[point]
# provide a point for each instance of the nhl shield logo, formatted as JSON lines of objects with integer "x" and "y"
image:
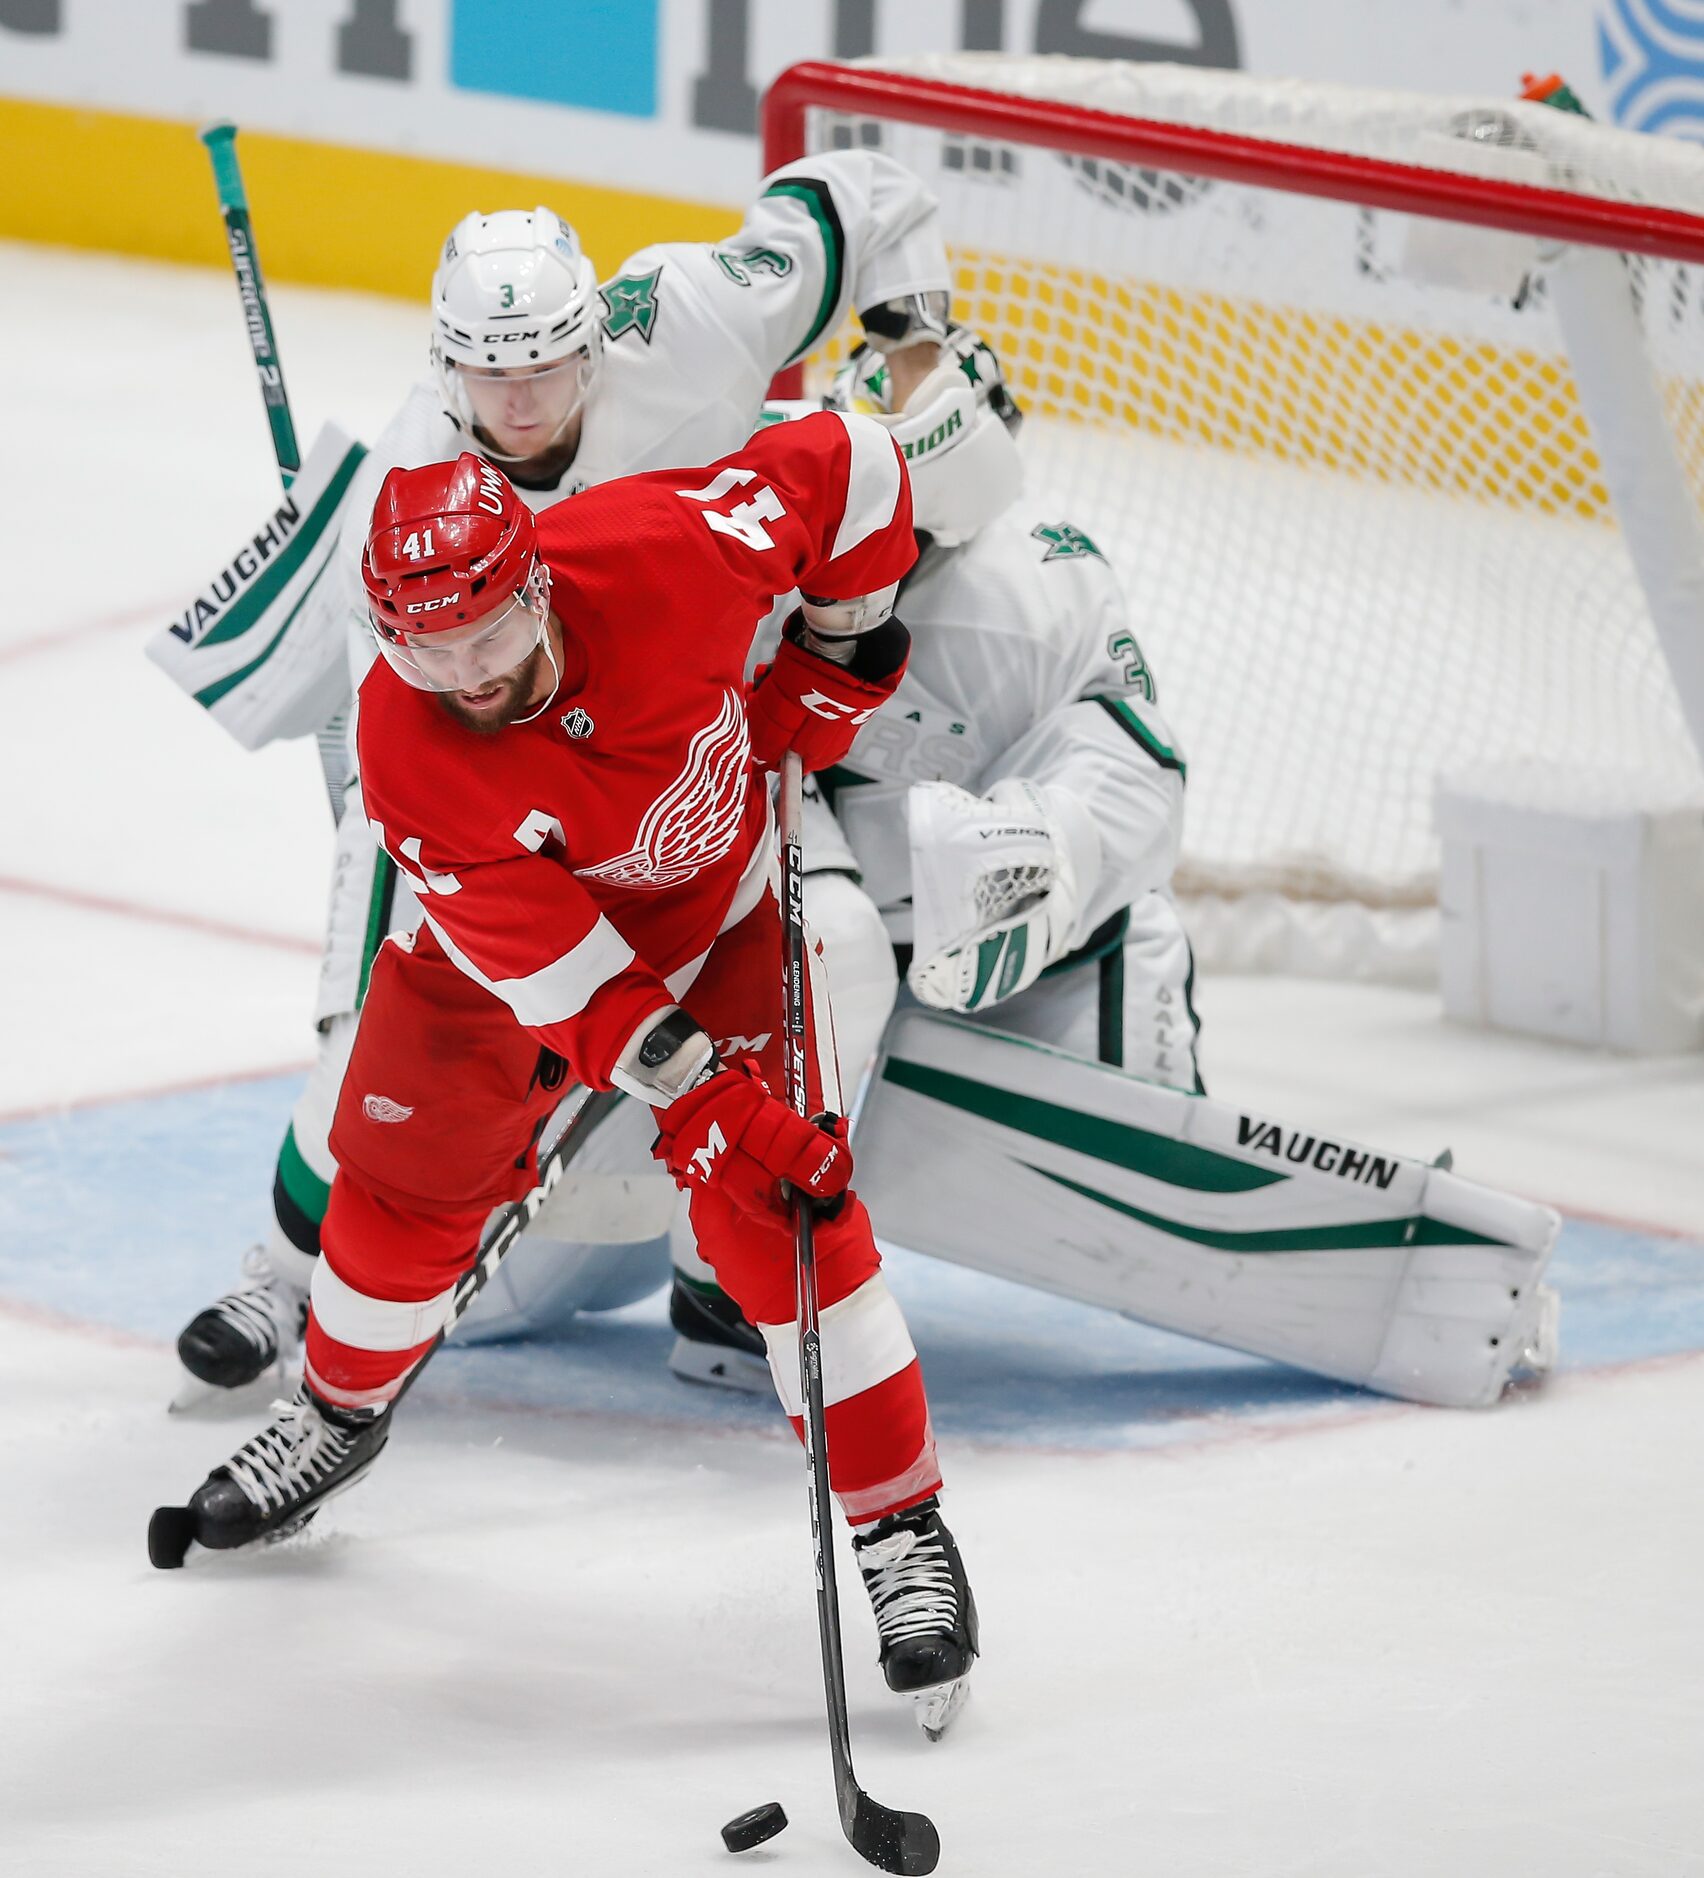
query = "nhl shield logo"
{"x": 577, "y": 723}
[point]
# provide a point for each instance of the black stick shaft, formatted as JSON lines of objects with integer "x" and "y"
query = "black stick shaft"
{"x": 893, "y": 1841}
{"x": 796, "y": 1046}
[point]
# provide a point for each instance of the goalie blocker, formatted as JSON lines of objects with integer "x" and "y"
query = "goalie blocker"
{"x": 1199, "y": 1217}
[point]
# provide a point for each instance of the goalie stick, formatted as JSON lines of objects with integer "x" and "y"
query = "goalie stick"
{"x": 171, "y": 1530}
{"x": 890, "y": 1840}
{"x": 221, "y": 142}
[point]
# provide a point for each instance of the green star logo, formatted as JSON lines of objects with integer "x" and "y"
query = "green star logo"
{"x": 1065, "y": 542}
{"x": 630, "y": 305}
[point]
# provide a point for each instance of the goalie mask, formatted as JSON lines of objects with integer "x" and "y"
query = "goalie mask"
{"x": 516, "y": 330}
{"x": 456, "y": 593}
{"x": 958, "y": 433}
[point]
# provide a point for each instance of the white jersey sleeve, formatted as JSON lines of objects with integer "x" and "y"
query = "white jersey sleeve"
{"x": 693, "y": 332}
{"x": 1023, "y": 664}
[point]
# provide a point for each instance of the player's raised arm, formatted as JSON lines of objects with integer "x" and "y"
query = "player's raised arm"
{"x": 843, "y": 229}
{"x": 841, "y": 482}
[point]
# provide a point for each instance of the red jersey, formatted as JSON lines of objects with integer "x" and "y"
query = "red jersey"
{"x": 580, "y": 866}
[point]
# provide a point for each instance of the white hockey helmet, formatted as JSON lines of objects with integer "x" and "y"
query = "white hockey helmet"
{"x": 958, "y": 432}
{"x": 514, "y": 295}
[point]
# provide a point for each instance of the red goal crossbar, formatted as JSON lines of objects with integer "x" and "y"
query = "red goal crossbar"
{"x": 1372, "y": 182}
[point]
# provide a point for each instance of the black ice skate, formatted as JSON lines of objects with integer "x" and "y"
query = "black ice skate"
{"x": 276, "y": 1482}
{"x": 235, "y": 1341}
{"x": 925, "y": 1614}
{"x": 713, "y": 1343}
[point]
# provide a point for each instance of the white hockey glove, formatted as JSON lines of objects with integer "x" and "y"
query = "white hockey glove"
{"x": 994, "y": 893}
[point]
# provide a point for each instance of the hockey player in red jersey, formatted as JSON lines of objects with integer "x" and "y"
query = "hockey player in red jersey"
{"x": 560, "y": 751}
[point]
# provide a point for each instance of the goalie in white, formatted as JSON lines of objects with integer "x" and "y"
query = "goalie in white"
{"x": 1006, "y": 827}
{"x": 565, "y": 383}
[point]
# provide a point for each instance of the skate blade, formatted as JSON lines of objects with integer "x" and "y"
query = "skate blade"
{"x": 718, "y": 1367}
{"x": 937, "y": 1708}
{"x": 204, "y": 1401}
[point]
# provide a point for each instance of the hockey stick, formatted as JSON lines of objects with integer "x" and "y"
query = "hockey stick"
{"x": 890, "y": 1840}
{"x": 171, "y": 1530}
{"x": 221, "y": 142}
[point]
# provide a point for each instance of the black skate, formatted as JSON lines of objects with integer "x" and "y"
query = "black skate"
{"x": 713, "y": 1343}
{"x": 925, "y": 1614}
{"x": 275, "y": 1483}
{"x": 237, "y": 1340}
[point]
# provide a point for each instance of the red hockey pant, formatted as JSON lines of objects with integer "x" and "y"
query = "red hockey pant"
{"x": 438, "y": 1122}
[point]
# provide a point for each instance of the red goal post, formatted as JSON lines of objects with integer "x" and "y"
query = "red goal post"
{"x": 1537, "y": 440}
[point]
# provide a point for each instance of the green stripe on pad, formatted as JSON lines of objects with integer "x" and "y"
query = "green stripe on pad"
{"x": 1177, "y": 1163}
{"x": 1371, "y": 1233}
{"x": 381, "y": 902}
{"x": 209, "y": 695}
{"x": 300, "y": 1181}
{"x": 267, "y": 588}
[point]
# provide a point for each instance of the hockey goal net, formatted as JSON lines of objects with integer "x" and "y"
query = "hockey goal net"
{"x": 1389, "y": 411}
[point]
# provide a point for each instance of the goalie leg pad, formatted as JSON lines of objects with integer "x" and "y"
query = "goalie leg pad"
{"x": 1016, "y": 1159}
{"x": 368, "y": 901}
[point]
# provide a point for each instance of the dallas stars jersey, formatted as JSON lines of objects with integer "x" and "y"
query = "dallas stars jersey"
{"x": 694, "y": 333}
{"x": 1023, "y": 663}
{"x": 580, "y": 866}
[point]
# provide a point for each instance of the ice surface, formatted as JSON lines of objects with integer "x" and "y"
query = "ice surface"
{"x": 1237, "y": 1621}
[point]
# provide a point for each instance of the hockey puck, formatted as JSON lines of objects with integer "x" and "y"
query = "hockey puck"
{"x": 170, "y": 1533}
{"x": 762, "y": 1822}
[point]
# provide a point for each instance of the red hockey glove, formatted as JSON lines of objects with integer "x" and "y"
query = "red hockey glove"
{"x": 731, "y": 1133}
{"x": 807, "y": 703}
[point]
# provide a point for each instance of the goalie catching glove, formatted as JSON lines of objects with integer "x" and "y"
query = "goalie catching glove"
{"x": 730, "y": 1133}
{"x": 826, "y": 680}
{"x": 995, "y": 892}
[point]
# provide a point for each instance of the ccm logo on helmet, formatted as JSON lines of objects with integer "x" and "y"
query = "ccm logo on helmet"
{"x": 431, "y": 606}
{"x": 504, "y": 339}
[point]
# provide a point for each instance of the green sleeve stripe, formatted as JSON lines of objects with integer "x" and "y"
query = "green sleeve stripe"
{"x": 1352, "y": 1238}
{"x": 278, "y": 576}
{"x": 817, "y": 200}
{"x": 299, "y": 1180}
{"x": 209, "y": 695}
{"x": 1177, "y": 1163}
{"x": 1122, "y": 714}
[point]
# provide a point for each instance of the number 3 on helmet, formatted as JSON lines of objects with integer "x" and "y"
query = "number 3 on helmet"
{"x": 515, "y": 303}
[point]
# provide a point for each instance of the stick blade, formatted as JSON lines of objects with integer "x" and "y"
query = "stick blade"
{"x": 170, "y": 1533}
{"x": 893, "y": 1841}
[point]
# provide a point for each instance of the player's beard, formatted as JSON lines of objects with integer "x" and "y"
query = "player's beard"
{"x": 516, "y": 697}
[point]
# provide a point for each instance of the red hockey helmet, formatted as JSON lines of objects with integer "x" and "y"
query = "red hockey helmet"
{"x": 455, "y": 588}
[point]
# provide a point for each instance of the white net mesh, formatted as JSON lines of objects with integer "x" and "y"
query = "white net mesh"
{"x": 1362, "y": 524}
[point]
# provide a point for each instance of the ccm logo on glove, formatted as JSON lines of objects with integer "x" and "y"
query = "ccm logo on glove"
{"x": 730, "y": 1133}
{"x": 805, "y": 702}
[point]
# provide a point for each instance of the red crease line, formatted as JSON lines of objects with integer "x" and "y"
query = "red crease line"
{"x": 157, "y": 915}
{"x": 161, "y": 610}
{"x": 110, "y": 1098}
